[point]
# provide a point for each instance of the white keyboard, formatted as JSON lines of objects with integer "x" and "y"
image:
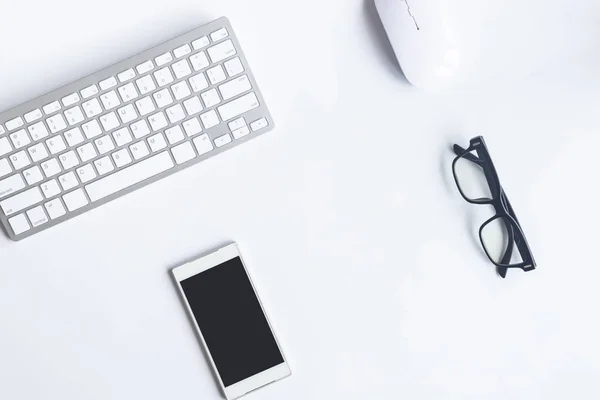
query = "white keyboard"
{"x": 128, "y": 125}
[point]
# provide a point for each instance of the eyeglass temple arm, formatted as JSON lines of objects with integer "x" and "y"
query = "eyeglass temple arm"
{"x": 459, "y": 151}
{"x": 518, "y": 239}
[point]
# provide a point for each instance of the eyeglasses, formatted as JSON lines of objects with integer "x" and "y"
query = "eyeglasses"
{"x": 478, "y": 183}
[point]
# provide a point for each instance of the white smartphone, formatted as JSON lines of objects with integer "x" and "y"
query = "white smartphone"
{"x": 231, "y": 322}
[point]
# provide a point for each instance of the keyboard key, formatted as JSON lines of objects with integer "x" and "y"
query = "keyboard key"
{"x": 104, "y": 165}
{"x": 5, "y": 146}
{"x": 183, "y": 152}
{"x": 158, "y": 121}
{"x": 140, "y": 129}
{"x": 259, "y": 124}
{"x": 86, "y": 173}
{"x": 163, "y": 59}
{"x": 56, "y": 144}
{"x": 241, "y": 132}
{"x": 109, "y": 121}
{"x": 68, "y": 181}
{"x": 145, "y": 106}
{"x": 69, "y": 160}
{"x": 129, "y": 176}
{"x": 175, "y": 113}
{"x": 200, "y": 43}
{"x": 221, "y": 51}
{"x": 198, "y": 82}
{"x": 75, "y": 200}
{"x": 56, "y": 123}
{"x": 199, "y": 61}
{"x": 2, "y": 131}
{"x": 128, "y": 92}
{"x": 223, "y": 140}
{"x": 163, "y": 76}
{"x": 86, "y": 152}
{"x": 235, "y": 87}
{"x": 237, "y": 123}
{"x": 182, "y": 51}
{"x": 10, "y": 185}
{"x": 33, "y": 175}
{"x": 145, "y": 67}
{"x": 127, "y": 113}
{"x": 19, "y": 160}
{"x": 157, "y": 142}
{"x": 104, "y": 144}
{"x": 20, "y": 139}
{"x": 55, "y": 208}
{"x": 110, "y": 100}
{"x": 21, "y": 201}
{"x": 19, "y": 224}
{"x": 220, "y": 34}
{"x": 139, "y": 150}
{"x": 122, "y": 137}
{"x": 216, "y": 74}
{"x": 209, "y": 119}
{"x": 181, "y": 69}
{"x": 89, "y": 91}
{"x": 210, "y": 98}
{"x": 5, "y": 167}
{"x": 74, "y": 115}
{"x": 193, "y": 105}
{"x": 145, "y": 84}
{"x": 203, "y": 144}
{"x": 51, "y": 167}
{"x": 38, "y": 152}
{"x": 238, "y": 106}
{"x": 37, "y": 216}
{"x": 51, "y": 108}
{"x": 92, "y": 108}
{"x": 121, "y": 158}
{"x": 31, "y": 116}
{"x": 181, "y": 90}
{"x": 108, "y": 83}
{"x": 74, "y": 137}
{"x": 38, "y": 131}
{"x": 192, "y": 127}
{"x": 234, "y": 67}
{"x": 91, "y": 129}
{"x": 174, "y": 135}
{"x": 163, "y": 98}
{"x": 126, "y": 75}
{"x": 70, "y": 99}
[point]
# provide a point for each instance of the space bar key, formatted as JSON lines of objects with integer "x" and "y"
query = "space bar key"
{"x": 129, "y": 176}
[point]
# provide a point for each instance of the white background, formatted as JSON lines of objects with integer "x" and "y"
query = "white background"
{"x": 363, "y": 252}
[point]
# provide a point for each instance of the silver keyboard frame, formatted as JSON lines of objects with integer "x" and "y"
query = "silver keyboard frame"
{"x": 113, "y": 70}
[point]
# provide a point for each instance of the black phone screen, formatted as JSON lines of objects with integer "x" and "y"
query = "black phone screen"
{"x": 232, "y": 322}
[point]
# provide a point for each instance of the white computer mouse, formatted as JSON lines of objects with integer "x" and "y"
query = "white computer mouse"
{"x": 448, "y": 43}
{"x": 426, "y": 49}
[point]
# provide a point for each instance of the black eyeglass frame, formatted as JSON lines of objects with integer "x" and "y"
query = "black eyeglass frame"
{"x": 500, "y": 202}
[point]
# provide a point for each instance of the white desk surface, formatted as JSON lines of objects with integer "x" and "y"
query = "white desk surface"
{"x": 363, "y": 251}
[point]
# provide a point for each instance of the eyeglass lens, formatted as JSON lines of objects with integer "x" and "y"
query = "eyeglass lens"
{"x": 471, "y": 179}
